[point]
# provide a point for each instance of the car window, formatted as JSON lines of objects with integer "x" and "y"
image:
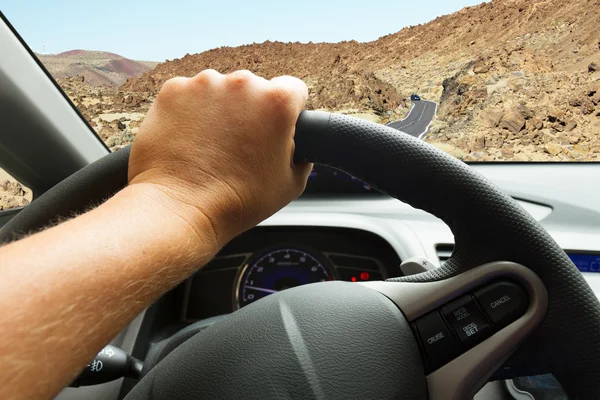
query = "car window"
{"x": 453, "y": 73}
{"x": 12, "y": 193}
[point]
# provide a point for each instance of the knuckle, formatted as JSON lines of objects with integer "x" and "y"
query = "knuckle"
{"x": 240, "y": 78}
{"x": 172, "y": 88}
{"x": 280, "y": 99}
{"x": 207, "y": 77}
{"x": 175, "y": 83}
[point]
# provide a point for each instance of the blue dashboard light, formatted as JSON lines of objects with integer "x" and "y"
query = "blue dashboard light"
{"x": 586, "y": 262}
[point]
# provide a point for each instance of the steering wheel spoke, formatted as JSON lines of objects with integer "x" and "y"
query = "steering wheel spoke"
{"x": 469, "y": 325}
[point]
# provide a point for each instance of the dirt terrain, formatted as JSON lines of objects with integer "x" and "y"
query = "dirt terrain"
{"x": 12, "y": 193}
{"x": 516, "y": 80}
{"x": 97, "y": 67}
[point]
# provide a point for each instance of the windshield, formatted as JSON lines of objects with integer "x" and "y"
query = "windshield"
{"x": 505, "y": 80}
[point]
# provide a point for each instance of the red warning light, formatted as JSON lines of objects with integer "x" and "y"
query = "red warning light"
{"x": 330, "y": 278}
{"x": 353, "y": 279}
{"x": 364, "y": 276}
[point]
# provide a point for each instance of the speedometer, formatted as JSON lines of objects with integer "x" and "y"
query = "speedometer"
{"x": 276, "y": 271}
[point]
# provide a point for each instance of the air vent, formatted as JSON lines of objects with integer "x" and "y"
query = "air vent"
{"x": 444, "y": 251}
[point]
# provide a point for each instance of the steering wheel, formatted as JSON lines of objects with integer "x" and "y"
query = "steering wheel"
{"x": 399, "y": 339}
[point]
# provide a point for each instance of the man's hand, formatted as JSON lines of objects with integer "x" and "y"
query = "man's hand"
{"x": 212, "y": 159}
{"x": 220, "y": 147}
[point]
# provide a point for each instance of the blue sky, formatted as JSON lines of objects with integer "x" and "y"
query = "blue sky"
{"x": 156, "y": 30}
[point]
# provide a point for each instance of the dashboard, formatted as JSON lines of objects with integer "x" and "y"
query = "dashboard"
{"x": 266, "y": 260}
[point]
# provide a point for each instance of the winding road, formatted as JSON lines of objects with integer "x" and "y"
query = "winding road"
{"x": 418, "y": 120}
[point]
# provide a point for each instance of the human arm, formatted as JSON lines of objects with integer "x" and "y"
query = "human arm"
{"x": 212, "y": 158}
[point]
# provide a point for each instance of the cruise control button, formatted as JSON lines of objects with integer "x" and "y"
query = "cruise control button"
{"x": 439, "y": 344}
{"x": 467, "y": 321}
{"x": 503, "y": 302}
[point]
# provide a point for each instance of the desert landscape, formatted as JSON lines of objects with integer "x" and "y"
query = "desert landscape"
{"x": 96, "y": 67}
{"x": 515, "y": 80}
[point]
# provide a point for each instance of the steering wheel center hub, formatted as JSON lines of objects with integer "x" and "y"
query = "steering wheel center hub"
{"x": 347, "y": 341}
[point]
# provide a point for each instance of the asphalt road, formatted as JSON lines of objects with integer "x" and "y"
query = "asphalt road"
{"x": 418, "y": 119}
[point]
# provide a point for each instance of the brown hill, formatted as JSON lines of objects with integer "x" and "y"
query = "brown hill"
{"x": 332, "y": 71}
{"x": 515, "y": 79}
{"x": 97, "y": 67}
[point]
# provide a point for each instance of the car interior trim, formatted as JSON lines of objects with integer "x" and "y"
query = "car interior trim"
{"x": 46, "y": 138}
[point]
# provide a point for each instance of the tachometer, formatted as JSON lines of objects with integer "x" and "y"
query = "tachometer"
{"x": 279, "y": 270}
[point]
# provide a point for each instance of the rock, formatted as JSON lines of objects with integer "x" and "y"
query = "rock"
{"x": 553, "y": 149}
{"x": 558, "y": 127}
{"x": 570, "y": 125}
{"x": 593, "y": 67}
{"x": 492, "y": 119}
{"x": 575, "y": 102}
{"x": 525, "y": 111}
{"x": 11, "y": 202}
{"x": 494, "y": 142}
{"x": 477, "y": 142}
{"x": 587, "y": 106}
{"x": 121, "y": 125}
{"x": 521, "y": 157}
{"x": 513, "y": 122}
{"x": 596, "y": 98}
{"x": 573, "y": 139}
{"x": 555, "y": 114}
{"x": 507, "y": 153}
{"x": 547, "y": 135}
{"x": 12, "y": 188}
{"x": 481, "y": 67}
{"x": 537, "y": 124}
{"x": 475, "y": 156}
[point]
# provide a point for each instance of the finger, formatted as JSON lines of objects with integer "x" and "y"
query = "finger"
{"x": 301, "y": 173}
{"x": 296, "y": 88}
{"x": 301, "y": 170}
{"x": 207, "y": 77}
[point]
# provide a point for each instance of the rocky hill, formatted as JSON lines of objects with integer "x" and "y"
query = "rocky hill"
{"x": 515, "y": 79}
{"x": 334, "y": 72}
{"x": 97, "y": 67}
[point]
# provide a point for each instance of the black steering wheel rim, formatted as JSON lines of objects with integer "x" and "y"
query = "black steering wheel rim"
{"x": 488, "y": 226}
